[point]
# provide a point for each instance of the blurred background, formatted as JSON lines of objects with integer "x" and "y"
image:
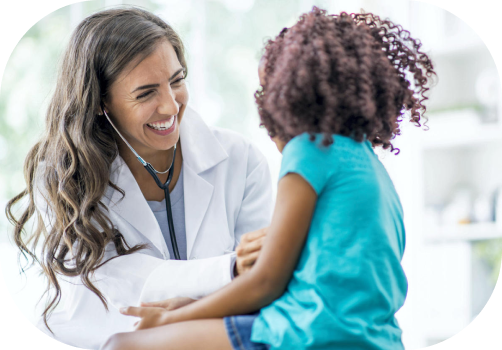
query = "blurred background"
{"x": 449, "y": 178}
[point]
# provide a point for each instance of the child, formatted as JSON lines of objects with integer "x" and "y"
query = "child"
{"x": 329, "y": 273}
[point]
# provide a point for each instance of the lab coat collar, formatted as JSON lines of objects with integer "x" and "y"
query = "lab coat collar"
{"x": 201, "y": 151}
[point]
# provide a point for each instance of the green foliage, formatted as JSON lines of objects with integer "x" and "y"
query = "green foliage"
{"x": 27, "y": 86}
{"x": 490, "y": 252}
{"x": 234, "y": 46}
{"x": 27, "y": 82}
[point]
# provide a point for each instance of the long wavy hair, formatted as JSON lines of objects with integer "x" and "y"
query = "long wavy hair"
{"x": 349, "y": 74}
{"x": 68, "y": 170}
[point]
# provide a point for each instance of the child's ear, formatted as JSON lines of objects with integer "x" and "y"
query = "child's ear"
{"x": 279, "y": 143}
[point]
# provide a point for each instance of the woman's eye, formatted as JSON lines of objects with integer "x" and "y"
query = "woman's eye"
{"x": 144, "y": 95}
{"x": 177, "y": 81}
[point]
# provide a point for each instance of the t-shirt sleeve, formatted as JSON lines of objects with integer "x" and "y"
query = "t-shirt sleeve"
{"x": 308, "y": 159}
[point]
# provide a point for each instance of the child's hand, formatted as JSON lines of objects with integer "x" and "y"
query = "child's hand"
{"x": 248, "y": 250}
{"x": 170, "y": 304}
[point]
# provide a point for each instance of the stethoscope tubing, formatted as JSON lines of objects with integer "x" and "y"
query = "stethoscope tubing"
{"x": 167, "y": 196}
{"x": 163, "y": 186}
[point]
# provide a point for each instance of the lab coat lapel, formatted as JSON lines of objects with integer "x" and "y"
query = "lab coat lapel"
{"x": 198, "y": 193}
{"x": 201, "y": 151}
{"x": 134, "y": 208}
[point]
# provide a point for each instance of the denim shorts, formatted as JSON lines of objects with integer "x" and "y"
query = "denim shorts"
{"x": 239, "y": 332}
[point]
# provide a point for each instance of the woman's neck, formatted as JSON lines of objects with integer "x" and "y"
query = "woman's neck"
{"x": 160, "y": 160}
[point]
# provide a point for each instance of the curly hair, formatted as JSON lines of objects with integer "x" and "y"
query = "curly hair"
{"x": 346, "y": 74}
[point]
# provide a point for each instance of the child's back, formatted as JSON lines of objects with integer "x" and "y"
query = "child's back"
{"x": 349, "y": 282}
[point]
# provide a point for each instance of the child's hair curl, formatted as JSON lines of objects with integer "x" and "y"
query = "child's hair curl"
{"x": 345, "y": 74}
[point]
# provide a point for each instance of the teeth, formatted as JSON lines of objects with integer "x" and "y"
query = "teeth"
{"x": 162, "y": 125}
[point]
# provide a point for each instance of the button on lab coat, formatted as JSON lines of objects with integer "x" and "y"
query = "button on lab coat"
{"x": 227, "y": 189}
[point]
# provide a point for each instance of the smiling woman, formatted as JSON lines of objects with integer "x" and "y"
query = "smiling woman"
{"x": 104, "y": 243}
{"x": 150, "y": 98}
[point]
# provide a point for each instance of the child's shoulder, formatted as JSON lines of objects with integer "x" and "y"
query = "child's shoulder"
{"x": 317, "y": 163}
{"x": 313, "y": 144}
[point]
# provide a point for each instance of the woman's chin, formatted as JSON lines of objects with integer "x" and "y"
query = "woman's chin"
{"x": 165, "y": 146}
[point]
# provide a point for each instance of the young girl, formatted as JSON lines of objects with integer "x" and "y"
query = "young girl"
{"x": 329, "y": 273}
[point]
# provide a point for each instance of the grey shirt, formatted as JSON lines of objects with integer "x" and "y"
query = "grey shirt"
{"x": 178, "y": 210}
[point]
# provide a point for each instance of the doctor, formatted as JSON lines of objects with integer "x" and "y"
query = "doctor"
{"x": 105, "y": 233}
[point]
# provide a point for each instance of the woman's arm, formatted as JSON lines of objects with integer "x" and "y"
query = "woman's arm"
{"x": 269, "y": 277}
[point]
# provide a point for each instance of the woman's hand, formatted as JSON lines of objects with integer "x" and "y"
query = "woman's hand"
{"x": 170, "y": 304}
{"x": 156, "y": 313}
{"x": 150, "y": 316}
{"x": 248, "y": 250}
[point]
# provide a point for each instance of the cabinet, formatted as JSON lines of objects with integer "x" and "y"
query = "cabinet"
{"x": 447, "y": 179}
{"x": 460, "y": 177}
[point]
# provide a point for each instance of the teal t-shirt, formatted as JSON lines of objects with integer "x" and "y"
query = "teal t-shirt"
{"x": 349, "y": 282}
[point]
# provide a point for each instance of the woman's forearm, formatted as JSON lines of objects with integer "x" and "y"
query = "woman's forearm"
{"x": 169, "y": 279}
{"x": 247, "y": 293}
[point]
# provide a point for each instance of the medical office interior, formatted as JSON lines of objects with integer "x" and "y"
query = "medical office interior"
{"x": 449, "y": 178}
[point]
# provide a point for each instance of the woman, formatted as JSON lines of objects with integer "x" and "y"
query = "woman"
{"x": 105, "y": 239}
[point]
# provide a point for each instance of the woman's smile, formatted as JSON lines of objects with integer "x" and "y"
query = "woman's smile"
{"x": 163, "y": 127}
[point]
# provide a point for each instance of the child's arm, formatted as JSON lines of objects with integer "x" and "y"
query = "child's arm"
{"x": 267, "y": 280}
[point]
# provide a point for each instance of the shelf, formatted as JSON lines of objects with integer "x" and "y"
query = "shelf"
{"x": 463, "y": 233}
{"x": 449, "y": 134}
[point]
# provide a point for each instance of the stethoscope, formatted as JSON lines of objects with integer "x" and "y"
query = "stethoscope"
{"x": 164, "y": 186}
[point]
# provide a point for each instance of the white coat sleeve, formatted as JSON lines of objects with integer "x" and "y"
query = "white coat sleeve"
{"x": 81, "y": 319}
{"x": 127, "y": 280}
{"x": 257, "y": 203}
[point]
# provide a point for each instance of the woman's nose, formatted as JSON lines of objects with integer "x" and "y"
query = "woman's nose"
{"x": 168, "y": 104}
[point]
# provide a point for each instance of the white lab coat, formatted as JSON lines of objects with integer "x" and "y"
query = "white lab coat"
{"x": 227, "y": 189}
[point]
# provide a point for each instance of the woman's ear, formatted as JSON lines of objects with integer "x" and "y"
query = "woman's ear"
{"x": 102, "y": 109}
